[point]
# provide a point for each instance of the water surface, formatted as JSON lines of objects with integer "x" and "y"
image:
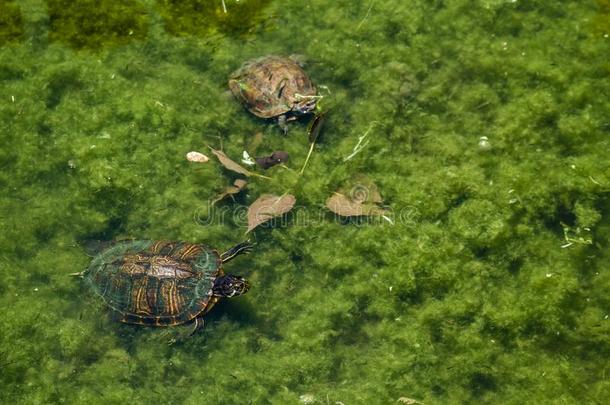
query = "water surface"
{"x": 484, "y": 125}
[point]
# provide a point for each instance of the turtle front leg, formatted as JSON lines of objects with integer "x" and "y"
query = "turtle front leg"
{"x": 181, "y": 333}
{"x": 199, "y": 325}
{"x": 281, "y": 121}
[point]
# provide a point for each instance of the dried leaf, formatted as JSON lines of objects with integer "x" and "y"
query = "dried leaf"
{"x": 361, "y": 198}
{"x": 268, "y": 206}
{"x": 238, "y": 185}
{"x": 194, "y": 156}
{"x": 363, "y": 190}
{"x": 344, "y": 206}
{"x": 313, "y": 131}
{"x": 230, "y": 164}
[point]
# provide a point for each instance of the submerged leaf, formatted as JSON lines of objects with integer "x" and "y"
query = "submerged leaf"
{"x": 268, "y": 206}
{"x": 315, "y": 127}
{"x": 346, "y": 207}
{"x": 363, "y": 190}
{"x": 238, "y": 185}
{"x": 313, "y": 132}
{"x": 230, "y": 164}
{"x": 359, "y": 199}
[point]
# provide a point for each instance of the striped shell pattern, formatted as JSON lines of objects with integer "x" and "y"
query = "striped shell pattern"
{"x": 157, "y": 283}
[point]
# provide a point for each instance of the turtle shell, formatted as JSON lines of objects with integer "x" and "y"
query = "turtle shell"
{"x": 273, "y": 85}
{"x": 157, "y": 283}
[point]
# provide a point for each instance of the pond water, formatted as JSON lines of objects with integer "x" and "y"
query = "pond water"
{"x": 478, "y": 131}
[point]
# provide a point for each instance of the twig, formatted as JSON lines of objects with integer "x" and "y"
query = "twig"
{"x": 260, "y": 175}
{"x": 300, "y": 97}
{"x": 361, "y": 143}
{"x": 366, "y": 15}
{"x": 307, "y": 159}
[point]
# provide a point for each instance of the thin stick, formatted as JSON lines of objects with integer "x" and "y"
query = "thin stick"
{"x": 307, "y": 159}
{"x": 260, "y": 175}
{"x": 366, "y": 15}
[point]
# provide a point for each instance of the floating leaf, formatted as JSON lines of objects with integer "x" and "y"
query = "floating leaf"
{"x": 196, "y": 157}
{"x": 268, "y": 206}
{"x": 238, "y": 185}
{"x": 346, "y": 207}
{"x": 275, "y": 158}
{"x": 230, "y": 164}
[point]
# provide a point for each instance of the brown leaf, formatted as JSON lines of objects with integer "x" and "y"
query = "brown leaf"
{"x": 238, "y": 185}
{"x": 360, "y": 198}
{"x": 230, "y": 164}
{"x": 313, "y": 131}
{"x": 346, "y": 207}
{"x": 268, "y": 206}
{"x": 363, "y": 190}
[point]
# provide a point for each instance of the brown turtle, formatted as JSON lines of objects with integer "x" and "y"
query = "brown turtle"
{"x": 162, "y": 283}
{"x": 274, "y": 86}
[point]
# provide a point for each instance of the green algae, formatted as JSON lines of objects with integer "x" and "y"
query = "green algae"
{"x": 11, "y": 22}
{"x": 204, "y": 18}
{"x": 96, "y": 24}
{"x": 468, "y": 298}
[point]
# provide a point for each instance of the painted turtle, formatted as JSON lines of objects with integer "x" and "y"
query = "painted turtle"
{"x": 163, "y": 283}
{"x": 274, "y": 86}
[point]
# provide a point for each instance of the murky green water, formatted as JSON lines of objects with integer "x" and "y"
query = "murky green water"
{"x": 488, "y": 284}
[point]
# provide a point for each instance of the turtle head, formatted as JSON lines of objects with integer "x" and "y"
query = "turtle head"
{"x": 230, "y": 286}
{"x": 305, "y": 105}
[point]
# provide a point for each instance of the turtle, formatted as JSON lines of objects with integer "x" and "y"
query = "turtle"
{"x": 163, "y": 283}
{"x": 274, "y": 86}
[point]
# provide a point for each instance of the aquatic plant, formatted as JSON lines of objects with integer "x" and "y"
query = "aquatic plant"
{"x": 471, "y": 296}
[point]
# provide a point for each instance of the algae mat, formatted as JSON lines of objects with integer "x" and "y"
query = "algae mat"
{"x": 484, "y": 125}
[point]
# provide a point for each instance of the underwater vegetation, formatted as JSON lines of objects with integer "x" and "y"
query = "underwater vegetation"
{"x": 483, "y": 126}
{"x": 95, "y": 24}
{"x": 205, "y": 18}
{"x": 11, "y": 24}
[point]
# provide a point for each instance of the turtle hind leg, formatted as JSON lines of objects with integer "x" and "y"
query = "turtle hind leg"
{"x": 244, "y": 247}
{"x": 282, "y": 122}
